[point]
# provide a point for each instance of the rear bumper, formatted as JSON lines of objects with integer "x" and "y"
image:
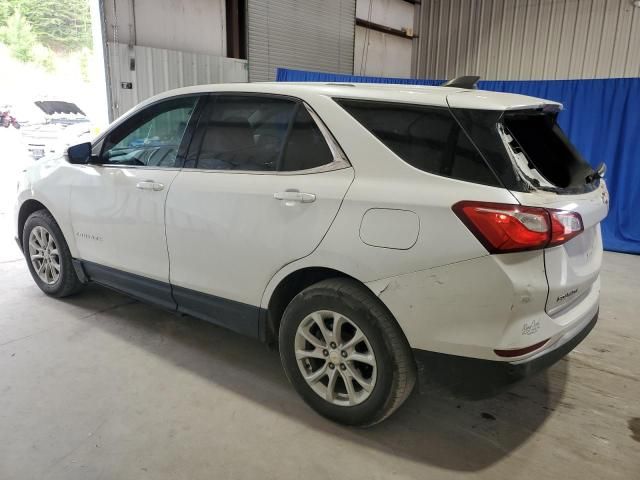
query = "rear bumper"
{"x": 477, "y": 378}
{"x": 475, "y": 307}
{"x": 558, "y": 349}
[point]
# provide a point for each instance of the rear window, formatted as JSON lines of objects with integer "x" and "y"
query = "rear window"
{"x": 543, "y": 152}
{"x": 528, "y": 150}
{"x": 427, "y": 138}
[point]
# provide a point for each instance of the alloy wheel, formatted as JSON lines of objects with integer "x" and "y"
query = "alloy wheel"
{"x": 335, "y": 358}
{"x": 44, "y": 255}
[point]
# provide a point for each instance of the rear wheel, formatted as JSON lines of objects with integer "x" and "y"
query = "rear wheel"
{"x": 344, "y": 353}
{"x": 48, "y": 256}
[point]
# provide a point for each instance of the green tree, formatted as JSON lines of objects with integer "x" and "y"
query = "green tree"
{"x": 18, "y": 36}
{"x": 8, "y": 8}
{"x": 62, "y": 25}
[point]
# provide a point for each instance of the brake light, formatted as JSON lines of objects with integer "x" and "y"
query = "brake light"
{"x": 503, "y": 228}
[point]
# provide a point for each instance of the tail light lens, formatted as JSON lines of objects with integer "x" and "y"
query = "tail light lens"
{"x": 504, "y": 228}
{"x": 564, "y": 226}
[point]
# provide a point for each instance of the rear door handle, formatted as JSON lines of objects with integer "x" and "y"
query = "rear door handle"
{"x": 150, "y": 185}
{"x": 292, "y": 197}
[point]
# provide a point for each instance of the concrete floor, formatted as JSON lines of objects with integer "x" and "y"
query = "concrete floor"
{"x": 100, "y": 386}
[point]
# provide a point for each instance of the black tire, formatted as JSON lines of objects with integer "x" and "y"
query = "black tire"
{"x": 396, "y": 370}
{"x": 68, "y": 282}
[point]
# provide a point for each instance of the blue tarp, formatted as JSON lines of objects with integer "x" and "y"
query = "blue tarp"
{"x": 601, "y": 117}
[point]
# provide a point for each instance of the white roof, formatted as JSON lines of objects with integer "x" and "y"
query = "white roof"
{"x": 415, "y": 94}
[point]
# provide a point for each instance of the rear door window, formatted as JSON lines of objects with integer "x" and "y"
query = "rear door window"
{"x": 258, "y": 133}
{"x": 244, "y": 132}
{"x": 427, "y": 138}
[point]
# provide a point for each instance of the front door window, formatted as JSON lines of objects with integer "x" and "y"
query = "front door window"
{"x": 152, "y": 137}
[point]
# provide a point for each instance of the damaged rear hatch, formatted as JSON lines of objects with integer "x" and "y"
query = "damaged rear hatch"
{"x": 532, "y": 157}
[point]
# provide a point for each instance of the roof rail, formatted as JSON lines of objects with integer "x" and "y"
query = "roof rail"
{"x": 467, "y": 81}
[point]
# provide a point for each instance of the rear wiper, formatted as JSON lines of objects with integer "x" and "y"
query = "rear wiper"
{"x": 599, "y": 172}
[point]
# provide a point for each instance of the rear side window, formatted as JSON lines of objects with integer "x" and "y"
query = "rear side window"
{"x": 427, "y": 138}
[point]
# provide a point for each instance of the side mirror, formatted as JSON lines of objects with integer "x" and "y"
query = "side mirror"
{"x": 80, "y": 154}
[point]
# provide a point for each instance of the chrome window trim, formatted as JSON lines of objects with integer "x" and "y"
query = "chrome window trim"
{"x": 133, "y": 167}
{"x": 329, "y": 167}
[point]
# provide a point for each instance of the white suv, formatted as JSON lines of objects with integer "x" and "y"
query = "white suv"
{"x": 356, "y": 227}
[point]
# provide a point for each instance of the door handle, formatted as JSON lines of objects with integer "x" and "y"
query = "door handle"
{"x": 292, "y": 197}
{"x": 150, "y": 185}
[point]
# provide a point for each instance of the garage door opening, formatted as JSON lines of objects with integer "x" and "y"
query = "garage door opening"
{"x": 52, "y": 87}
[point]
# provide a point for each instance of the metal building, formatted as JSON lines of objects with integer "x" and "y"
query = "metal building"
{"x": 151, "y": 46}
{"x": 304, "y": 34}
{"x": 529, "y": 39}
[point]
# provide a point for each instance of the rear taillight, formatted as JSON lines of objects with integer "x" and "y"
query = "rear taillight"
{"x": 564, "y": 226}
{"x": 503, "y": 228}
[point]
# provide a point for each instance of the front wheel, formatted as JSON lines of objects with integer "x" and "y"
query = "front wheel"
{"x": 48, "y": 256}
{"x": 344, "y": 353}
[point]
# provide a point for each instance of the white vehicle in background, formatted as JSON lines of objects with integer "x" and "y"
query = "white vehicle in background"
{"x": 358, "y": 227}
{"x": 59, "y": 125}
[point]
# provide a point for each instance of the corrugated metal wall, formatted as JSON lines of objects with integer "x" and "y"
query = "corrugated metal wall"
{"x": 529, "y": 39}
{"x": 184, "y": 25}
{"x": 158, "y": 70}
{"x": 304, "y": 34}
{"x": 380, "y": 54}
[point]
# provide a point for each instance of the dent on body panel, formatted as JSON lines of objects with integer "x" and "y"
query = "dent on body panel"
{"x": 442, "y": 305}
{"x": 472, "y": 304}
